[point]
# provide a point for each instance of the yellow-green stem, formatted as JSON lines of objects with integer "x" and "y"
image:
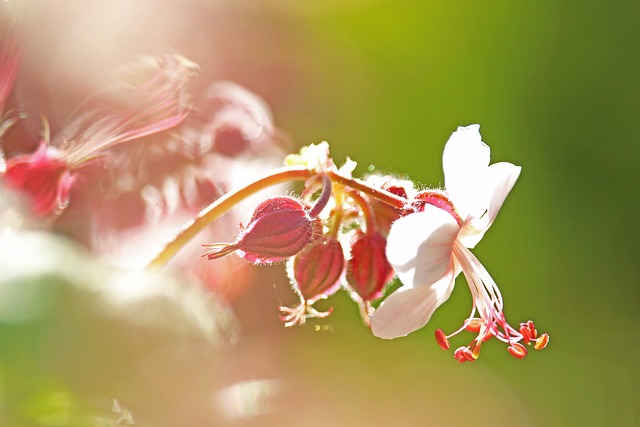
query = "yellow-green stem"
{"x": 338, "y": 214}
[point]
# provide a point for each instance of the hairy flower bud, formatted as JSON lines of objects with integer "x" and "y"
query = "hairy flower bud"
{"x": 369, "y": 270}
{"x": 317, "y": 271}
{"x": 279, "y": 228}
{"x": 384, "y": 213}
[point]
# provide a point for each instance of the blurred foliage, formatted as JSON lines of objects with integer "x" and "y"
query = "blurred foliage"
{"x": 554, "y": 86}
{"x": 74, "y": 334}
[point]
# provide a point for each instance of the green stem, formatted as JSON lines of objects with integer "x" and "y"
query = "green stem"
{"x": 221, "y": 206}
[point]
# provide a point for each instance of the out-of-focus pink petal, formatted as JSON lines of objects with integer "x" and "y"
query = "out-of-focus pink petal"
{"x": 465, "y": 160}
{"x": 42, "y": 177}
{"x": 149, "y": 97}
{"x": 10, "y": 56}
{"x": 409, "y": 309}
{"x": 420, "y": 244}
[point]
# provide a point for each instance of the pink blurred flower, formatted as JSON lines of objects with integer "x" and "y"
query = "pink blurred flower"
{"x": 429, "y": 248}
{"x": 151, "y": 99}
{"x": 43, "y": 176}
{"x": 229, "y": 120}
{"x": 10, "y": 57}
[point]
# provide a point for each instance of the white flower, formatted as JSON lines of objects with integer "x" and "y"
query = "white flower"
{"x": 430, "y": 247}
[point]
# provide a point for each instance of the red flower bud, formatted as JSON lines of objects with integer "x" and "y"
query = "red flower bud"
{"x": 41, "y": 176}
{"x": 317, "y": 271}
{"x": 369, "y": 270}
{"x": 385, "y": 214}
{"x": 279, "y": 228}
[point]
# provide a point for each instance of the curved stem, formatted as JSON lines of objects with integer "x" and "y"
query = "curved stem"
{"x": 338, "y": 213}
{"x": 221, "y": 206}
{"x": 226, "y": 202}
{"x": 377, "y": 193}
{"x": 367, "y": 211}
{"x": 322, "y": 201}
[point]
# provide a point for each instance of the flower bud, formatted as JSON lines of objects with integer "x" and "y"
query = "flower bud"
{"x": 43, "y": 177}
{"x": 369, "y": 270}
{"x": 279, "y": 228}
{"x": 317, "y": 271}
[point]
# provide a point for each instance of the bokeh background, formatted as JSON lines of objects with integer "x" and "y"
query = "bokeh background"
{"x": 555, "y": 88}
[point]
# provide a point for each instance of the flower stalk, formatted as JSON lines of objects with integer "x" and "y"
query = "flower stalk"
{"x": 279, "y": 176}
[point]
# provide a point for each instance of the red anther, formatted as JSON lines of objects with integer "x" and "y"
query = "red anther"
{"x": 464, "y": 354}
{"x": 474, "y": 325}
{"x": 528, "y": 331}
{"x": 442, "y": 339}
{"x": 517, "y": 350}
{"x": 541, "y": 342}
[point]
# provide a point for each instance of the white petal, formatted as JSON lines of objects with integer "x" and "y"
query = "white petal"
{"x": 465, "y": 160}
{"x": 499, "y": 180}
{"x": 501, "y": 177}
{"x": 409, "y": 309}
{"x": 420, "y": 245}
{"x": 472, "y": 232}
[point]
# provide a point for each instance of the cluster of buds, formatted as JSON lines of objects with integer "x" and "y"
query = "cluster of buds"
{"x": 331, "y": 238}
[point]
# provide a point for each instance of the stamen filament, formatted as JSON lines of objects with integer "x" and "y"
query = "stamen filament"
{"x": 486, "y": 294}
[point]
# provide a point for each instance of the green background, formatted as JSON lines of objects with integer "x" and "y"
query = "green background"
{"x": 554, "y": 86}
